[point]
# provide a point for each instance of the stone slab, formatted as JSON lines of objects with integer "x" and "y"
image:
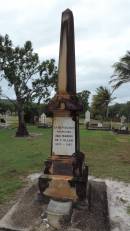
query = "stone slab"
{"x": 23, "y": 215}
{"x": 93, "y": 215}
{"x": 59, "y": 208}
{"x": 63, "y": 136}
{"x": 58, "y": 212}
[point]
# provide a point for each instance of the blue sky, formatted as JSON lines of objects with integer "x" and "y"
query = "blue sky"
{"x": 102, "y": 35}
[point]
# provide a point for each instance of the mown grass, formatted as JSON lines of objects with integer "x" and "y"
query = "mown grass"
{"x": 107, "y": 155}
{"x": 19, "y": 157}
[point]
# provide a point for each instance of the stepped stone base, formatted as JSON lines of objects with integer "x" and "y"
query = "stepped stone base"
{"x": 89, "y": 215}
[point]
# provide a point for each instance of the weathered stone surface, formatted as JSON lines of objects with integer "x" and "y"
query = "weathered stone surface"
{"x": 63, "y": 136}
{"x": 67, "y": 75}
{"x": 92, "y": 216}
{"x": 73, "y": 229}
{"x": 95, "y": 215}
{"x": 23, "y": 215}
{"x": 58, "y": 213}
{"x": 59, "y": 187}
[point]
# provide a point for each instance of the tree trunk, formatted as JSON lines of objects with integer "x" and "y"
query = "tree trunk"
{"x": 22, "y": 130}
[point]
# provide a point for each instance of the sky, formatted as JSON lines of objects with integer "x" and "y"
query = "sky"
{"x": 102, "y": 36}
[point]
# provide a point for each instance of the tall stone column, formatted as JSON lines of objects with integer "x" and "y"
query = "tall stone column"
{"x": 65, "y": 173}
{"x": 67, "y": 75}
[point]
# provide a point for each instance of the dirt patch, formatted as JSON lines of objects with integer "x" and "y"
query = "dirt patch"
{"x": 124, "y": 158}
{"x": 31, "y": 136}
{"x": 122, "y": 140}
{"x": 4, "y": 207}
{"x": 34, "y": 135}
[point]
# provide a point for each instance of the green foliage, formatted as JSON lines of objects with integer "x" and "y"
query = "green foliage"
{"x": 117, "y": 110}
{"x": 47, "y": 80}
{"x": 20, "y": 66}
{"x": 6, "y": 105}
{"x": 100, "y": 102}
{"x": 30, "y": 79}
{"x": 121, "y": 71}
{"x": 83, "y": 96}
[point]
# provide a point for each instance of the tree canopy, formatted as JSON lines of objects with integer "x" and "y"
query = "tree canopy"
{"x": 100, "y": 102}
{"x": 83, "y": 97}
{"x": 121, "y": 71}
{"x": 30, "y": 78}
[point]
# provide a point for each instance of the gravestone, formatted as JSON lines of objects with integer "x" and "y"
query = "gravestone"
{"x": 124, "y": 125}
{"x": 100, "y": 125}
{"x": 65, "y": 173}
{"x": 87, "y": 119}
{"x": 87, "y": 116}
{"x": 123, "y": 119}
{"x": 42, "y": 118}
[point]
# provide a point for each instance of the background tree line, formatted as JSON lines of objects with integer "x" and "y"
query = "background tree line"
{"x": 30, "y": 79}
{"x": 33, "y": 81}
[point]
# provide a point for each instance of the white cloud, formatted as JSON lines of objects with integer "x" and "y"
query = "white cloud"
{"x": 102, "y": 31}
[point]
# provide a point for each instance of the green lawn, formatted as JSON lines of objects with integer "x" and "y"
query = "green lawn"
{"x": 108, "y": 155}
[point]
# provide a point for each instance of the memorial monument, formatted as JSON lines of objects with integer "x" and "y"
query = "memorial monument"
{"x": 65, "y": 173}
{"x": 64, "y": 179}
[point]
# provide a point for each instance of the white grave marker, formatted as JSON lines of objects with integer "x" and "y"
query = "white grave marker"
{"x": 42, "y": 118}
{"x": 123, "y": 118}
{"x": 63, "y": 136}
{"x": 87, "y": 117}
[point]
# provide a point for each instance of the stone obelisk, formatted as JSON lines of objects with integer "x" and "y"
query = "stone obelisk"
{"x": 67, "y": 75}
{"x": 65, "y": 173}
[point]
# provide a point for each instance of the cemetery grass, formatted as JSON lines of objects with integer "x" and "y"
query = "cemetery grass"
{"x": 107, "y": 155}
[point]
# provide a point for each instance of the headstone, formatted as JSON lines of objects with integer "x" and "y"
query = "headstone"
{"x": 87, "y": 117}
{"x": 42, "y": 118}
{"x": 63, "y": 136}
{"x": 66, "y": 163}
{"x": 8, "y": 113}
{"x": 123, "y": 128}
{"x": 123, "y": 118}
{"x": 100, "y": 125}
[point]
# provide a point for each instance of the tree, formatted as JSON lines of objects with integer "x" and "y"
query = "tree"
{"x": 121, "y": 71}
{"x": 84, "y": 96}
{"x": 101, "y": 101}
{"x": 30, "y": 79}
{"x": 6, "y": 105}
{"x": 117, "y": 110}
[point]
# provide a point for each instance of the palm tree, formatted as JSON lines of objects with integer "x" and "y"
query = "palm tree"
{"x": 121, "y": 71}
{"x": 101, "y": 101}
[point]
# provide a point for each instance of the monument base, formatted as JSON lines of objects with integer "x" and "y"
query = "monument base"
{"x": 64, "y": 177}
{"x": 28, "y": 214}
{"x": 58, "y": 213}
{"x": 57, "y": 187}
{"x": 63, "y": 188}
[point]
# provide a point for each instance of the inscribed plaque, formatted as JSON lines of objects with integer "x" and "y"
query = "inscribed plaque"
{"x": 63, "y": 136}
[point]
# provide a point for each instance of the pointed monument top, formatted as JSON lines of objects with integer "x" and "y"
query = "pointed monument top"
{"x": 67, "y": 11}
{"x": 66, "y": 74}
